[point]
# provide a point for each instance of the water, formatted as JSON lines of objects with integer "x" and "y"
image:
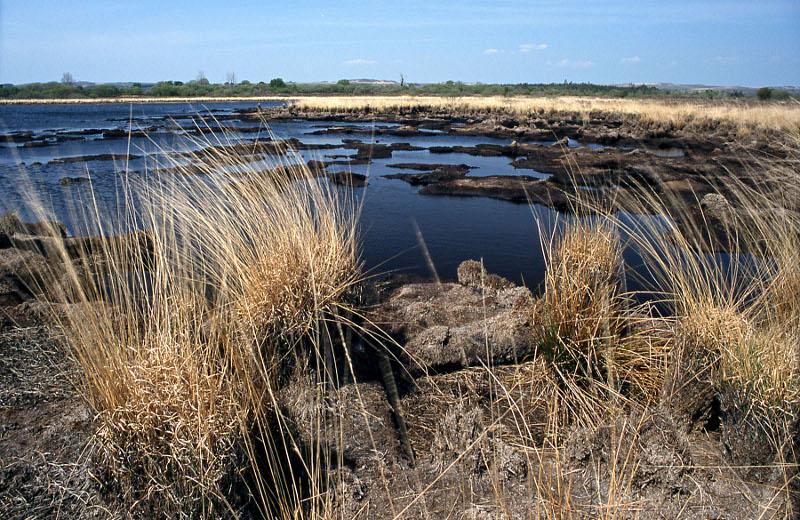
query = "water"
{"x": 452, "y": 228}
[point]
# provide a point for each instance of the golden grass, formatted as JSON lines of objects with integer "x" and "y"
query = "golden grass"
{"x": 582, "y": 283}
{"x": 736, "y": 309}
{"x": 181, "y": 345}
{"x": 604, "y": 349}
{"x": 728, "y": 330}
{"x": 733, "y": 315}
{"x": 745, "y": 115}
{"x": 677, "y": 113}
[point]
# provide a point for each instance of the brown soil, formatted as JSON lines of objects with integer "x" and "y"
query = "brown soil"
{"x": 44, "y": 426}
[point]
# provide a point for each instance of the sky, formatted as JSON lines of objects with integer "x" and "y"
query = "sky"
{"x": 713, "y": 42}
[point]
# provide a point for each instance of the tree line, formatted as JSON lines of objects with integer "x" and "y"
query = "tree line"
{"x": 201, "y": 87}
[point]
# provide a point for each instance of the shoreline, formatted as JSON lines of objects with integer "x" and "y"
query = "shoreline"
{"x": 142, "y": 100}
{"x": 672, "y": 113}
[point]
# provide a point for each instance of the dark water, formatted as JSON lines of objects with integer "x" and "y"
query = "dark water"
{"x": 395, "y": 222}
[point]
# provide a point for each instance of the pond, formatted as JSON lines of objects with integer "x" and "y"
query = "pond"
{"x": 401, "y": 230}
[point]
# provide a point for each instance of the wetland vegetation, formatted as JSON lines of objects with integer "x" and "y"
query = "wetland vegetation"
{"x": 228, "y": 341}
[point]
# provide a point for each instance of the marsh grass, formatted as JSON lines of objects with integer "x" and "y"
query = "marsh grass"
{"x": 182, "y": 344}
{"x": 719, "y": 344}
{"x": 707, "y": 348}
{"x": 674, "y": 114}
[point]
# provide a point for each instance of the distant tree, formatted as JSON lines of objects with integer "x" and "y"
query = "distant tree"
{"x": 344, "y": 86}
{"x": 277, "y": 84}
{"x": 104, "y": 91}
{"x": 764, "y": 93}
{"x": 201, "y": 78}
{"x": 402, "y": 80}
{"x": 165, "y": 89}
{"x": 67, "y": 78}
{"x": 781, "y": 95}
{"x": 230, "y": 78}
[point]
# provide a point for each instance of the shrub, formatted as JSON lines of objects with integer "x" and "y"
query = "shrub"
{"x": 764, "y": 93}
{"x": 277, "y": 84}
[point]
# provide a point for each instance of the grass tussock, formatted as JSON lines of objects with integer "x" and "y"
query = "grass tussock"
{"x": 181, "y": 345}
{"x": 582, "y": 285}
{"x": 677, "y": 114}
{"x": 713, "y": 352}
{"x": 601, "y": 345}
{"x": 733, "y": 307}
{"x": 727, "y": 281}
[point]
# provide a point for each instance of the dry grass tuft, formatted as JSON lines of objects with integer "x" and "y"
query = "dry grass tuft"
{"x": 182, "y": 345}
{"x": 582, "y": 285}
{"x": 171, "y": 447}
{"x": 600, "y": 344}
{"x": 719, "y": 344}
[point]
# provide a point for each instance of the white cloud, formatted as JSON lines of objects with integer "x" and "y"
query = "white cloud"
{"x": 360, "y": 61}
{"x": 528, "y": 47}
{"x": 491, "y": 51}
{"x": 633, "y": 60}
{"x": 575, "y": 64}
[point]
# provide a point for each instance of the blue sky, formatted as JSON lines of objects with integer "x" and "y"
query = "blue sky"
{"x": 727, "y": 42}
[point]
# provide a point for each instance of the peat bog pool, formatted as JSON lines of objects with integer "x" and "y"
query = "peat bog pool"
{"x": 52, "y": 149}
